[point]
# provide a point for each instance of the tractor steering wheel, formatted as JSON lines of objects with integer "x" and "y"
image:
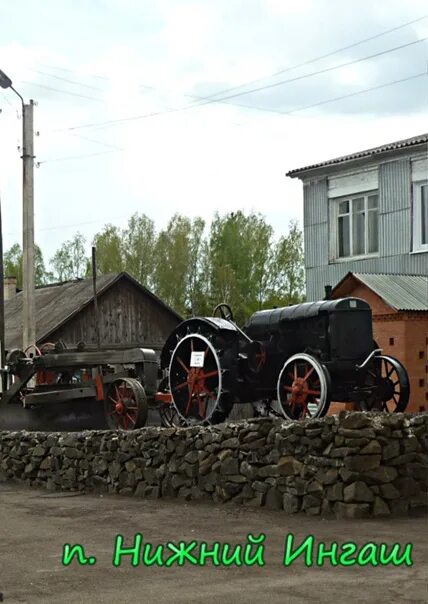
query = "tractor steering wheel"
{"x": 224, "y": 310}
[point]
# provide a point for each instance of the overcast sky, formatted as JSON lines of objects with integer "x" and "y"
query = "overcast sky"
{"x": 88, "y": 64}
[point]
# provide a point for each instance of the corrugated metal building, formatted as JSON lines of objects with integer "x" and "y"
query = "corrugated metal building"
{"x": 366, "y": 213}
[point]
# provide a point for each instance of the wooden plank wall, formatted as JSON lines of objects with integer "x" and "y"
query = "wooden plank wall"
{"x": 128, "y": 317}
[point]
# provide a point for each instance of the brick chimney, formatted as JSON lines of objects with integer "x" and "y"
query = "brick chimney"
{"x": 9, "y": 287}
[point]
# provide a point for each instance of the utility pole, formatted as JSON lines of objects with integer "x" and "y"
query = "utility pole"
{"x": 29, "y": 319}
{"x": 2, "y": 326}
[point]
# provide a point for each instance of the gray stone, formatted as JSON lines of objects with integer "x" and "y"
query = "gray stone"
{"x": 314, "y": 487}
{"x": 230, "y": 466}
{"x": 114, "y": 469}
{"x": 255, "y": 444}
{"x": 335, "y": 492}
{"x": 273, "y": 499}
{"x": 402, "y": 459}
{"x": 388, "y": 491}
{"x": 290, "y": 503}
{"x": 363, "y": 433}
{"x": 191, "y": 470}
{"x": 238, "y": 478}
{"x": 260, "y": 486}
{"x": 344, "y": 452}
{"x": 310, "y": 501}
{"x": 399, "y": 507}
{"x": 39, "y": 451}
{"x": 185, "y": 493}
{"x": 247, "y": 492}
{"x": 411, "y": 444}
{"x": 392, "y": 449}
{"x": 357, "y": 492}
{"x": 362, "y": 463}
{"x": 288, "y": 466}
{"x": 380, "y": 508}
{"x": 231, "y": 443}
{"x": 407, "y": 486}
{"x": 256, "y": 501}
{"x": 178, "y": 480}
{"x": 191, "y": 457}
{"x": 372, "y": 448}
{"x": 380, "y": 475}
{"x": 327, "y": 477}
{"x": 272, "y": 470}
{"x": 351, "y": 510}
{"x": 354, "y": 421}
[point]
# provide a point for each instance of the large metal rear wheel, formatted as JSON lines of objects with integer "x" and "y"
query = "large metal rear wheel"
{"x": 125, "y": 404}
{"x": 196, "y": 381}
{"x": 303, "y": 388}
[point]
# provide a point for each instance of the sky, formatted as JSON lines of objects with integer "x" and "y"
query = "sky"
{"x": 121, "y": 127}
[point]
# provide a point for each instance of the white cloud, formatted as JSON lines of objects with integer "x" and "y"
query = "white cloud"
{"x": 193, "y": 161}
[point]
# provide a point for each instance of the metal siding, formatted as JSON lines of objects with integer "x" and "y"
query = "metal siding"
{"x": 315, "y": 202}
{"x": 394, "y": 186}
{"x": 394, "y": 233}
{"x": 316, "y": 245}
{"x": 317, "y": 277}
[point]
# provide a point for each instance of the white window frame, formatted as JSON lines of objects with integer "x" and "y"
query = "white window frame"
{"x": 334, "y": 226}
{"x": 418, "y": 246}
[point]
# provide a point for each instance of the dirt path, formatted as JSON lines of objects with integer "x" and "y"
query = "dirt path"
{"x": 34, "y": 525}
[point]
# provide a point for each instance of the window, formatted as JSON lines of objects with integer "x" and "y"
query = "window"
{"x": 420, "y": 217}
{"x": 356, "y": 229}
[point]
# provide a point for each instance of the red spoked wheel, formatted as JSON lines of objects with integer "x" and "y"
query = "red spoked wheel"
{"x": 195, "y": 380}
{"x": 303, "y": 388}
{"x": 125, "y": 404}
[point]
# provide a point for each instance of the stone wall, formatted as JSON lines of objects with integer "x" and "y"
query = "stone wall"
{"x": 352, "y": 465}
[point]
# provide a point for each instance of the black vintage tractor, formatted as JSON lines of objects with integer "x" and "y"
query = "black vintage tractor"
{"x": 291, "y": 361}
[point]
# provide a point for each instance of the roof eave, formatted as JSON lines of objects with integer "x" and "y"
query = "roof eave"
{"x": 324, "y": 168}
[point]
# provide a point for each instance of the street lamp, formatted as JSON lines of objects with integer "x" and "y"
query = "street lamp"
{"x": 29, "y": 326}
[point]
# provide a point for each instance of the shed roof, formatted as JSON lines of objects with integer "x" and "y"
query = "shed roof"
{"x": 401, "y": 292}
{"x": 56, "y": 303}
{"x": 389, "y": 147}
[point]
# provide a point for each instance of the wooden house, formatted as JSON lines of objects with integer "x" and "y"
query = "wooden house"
{"x": 129, "y": 314}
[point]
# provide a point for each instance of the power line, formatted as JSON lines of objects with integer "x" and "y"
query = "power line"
{"x": 281, "y": 83}
{"x": 319, "y": 58}
{"x": 279, "y": 72}
{"x": 346, "y": 96}
{"x": 50, "y": 75}
{"x": 325, "y": 70}
{"x": 302, "y": 108}
{"x": 83, "y": 96}
{"x": 210, "y": 99}
{"x": 69, "y": 226}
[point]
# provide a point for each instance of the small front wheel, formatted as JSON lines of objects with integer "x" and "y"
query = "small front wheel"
{"x": 303, "y": 388}
{"x": 125, "y": 404}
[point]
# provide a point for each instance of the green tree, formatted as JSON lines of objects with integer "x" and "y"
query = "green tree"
{"x": 110, "y": 255}
{"x": 12, "y": 265}
{"x": 177, "y": 276}
{"x": 137, "y": 248}
{"x": 70, "y": 260}
{"x": 240, "y": 257}
{"x": 287, "y": 268}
